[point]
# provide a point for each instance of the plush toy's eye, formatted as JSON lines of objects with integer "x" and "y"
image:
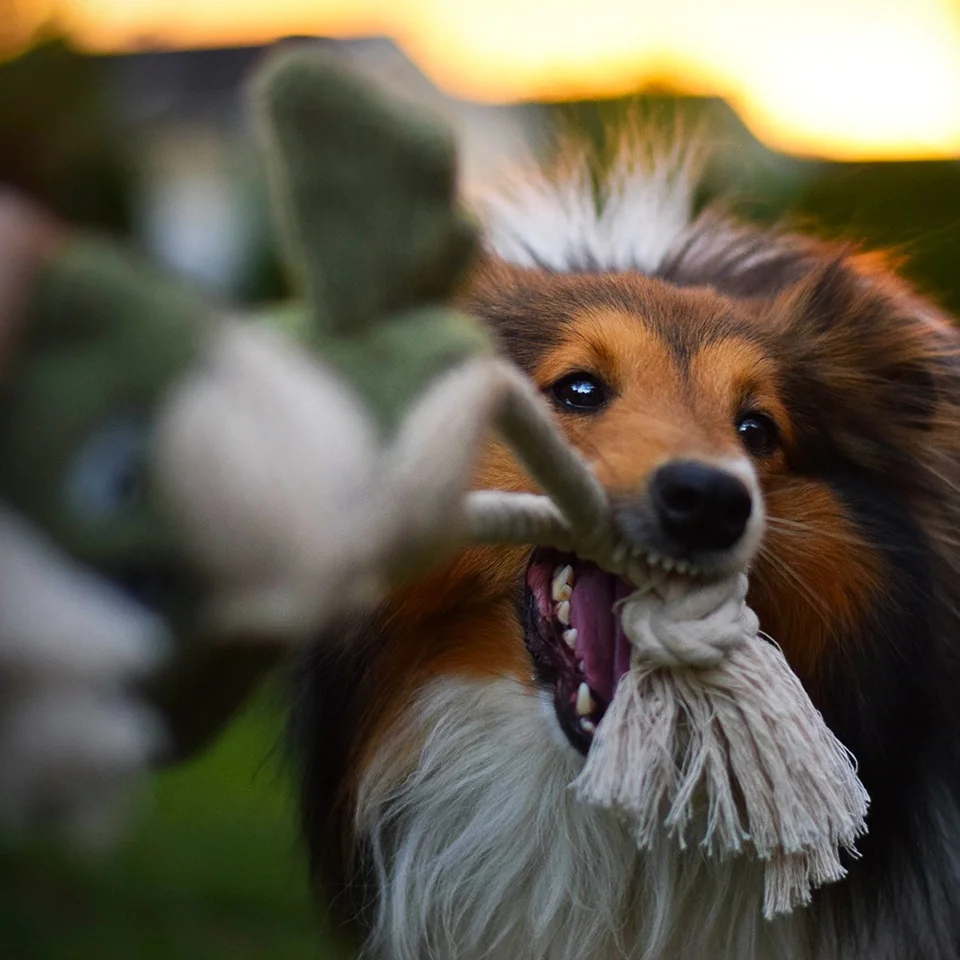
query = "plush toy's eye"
{"x": 580, "y": 392}
{"x": 107, "y": 475}
{"x": 758, "y": 433}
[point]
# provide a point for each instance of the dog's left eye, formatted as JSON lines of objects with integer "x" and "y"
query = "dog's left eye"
{"x": 582, "y": 392}
{"x": 758, "y": 433}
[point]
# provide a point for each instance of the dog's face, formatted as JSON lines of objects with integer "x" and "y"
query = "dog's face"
{"x": 727, "y": 432}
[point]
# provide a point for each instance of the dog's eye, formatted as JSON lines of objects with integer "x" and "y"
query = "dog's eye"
{"x": 582, "y": 392}
{"x": 758, "y": 433}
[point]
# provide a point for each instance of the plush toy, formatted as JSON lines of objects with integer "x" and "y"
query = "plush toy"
{"x": 203, "y": 482}
{"x": 251, "y": 477}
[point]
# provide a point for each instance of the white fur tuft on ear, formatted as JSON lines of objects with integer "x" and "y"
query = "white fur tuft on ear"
{"x": 562, "y": 218}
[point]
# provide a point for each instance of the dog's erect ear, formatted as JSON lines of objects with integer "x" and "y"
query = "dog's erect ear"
{"x": 870, "y": 362}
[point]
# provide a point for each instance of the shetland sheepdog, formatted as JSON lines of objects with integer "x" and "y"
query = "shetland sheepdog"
{"x": 750, "y": 398}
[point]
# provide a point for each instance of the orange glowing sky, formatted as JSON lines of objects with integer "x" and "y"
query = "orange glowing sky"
{"x": 842, "y": 78}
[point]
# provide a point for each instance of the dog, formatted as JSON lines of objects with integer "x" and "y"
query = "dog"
{"x": 750, "y": 398}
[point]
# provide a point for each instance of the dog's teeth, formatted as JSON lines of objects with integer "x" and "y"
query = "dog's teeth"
{"x": 570, "y": 637}
{"x": 588, "y": 726}
{"x": 682, "y": 566}
{"x": 563, "y": 612}
{"x": 653, "y": 559}
{"x": 585, "y": 704}
{"x": 666, "y": 563}
{"x": 562, "y": 585}
{"x": 580, "y": 666}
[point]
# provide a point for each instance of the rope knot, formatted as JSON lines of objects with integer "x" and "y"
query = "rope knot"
{"x": 671, "y": 624}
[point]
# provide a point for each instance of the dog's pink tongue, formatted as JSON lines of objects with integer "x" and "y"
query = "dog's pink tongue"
{"x": 601, "y": 645}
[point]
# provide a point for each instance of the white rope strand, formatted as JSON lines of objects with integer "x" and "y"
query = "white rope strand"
{"x": 561, "y": 471}
{"x": 495, "y": 517}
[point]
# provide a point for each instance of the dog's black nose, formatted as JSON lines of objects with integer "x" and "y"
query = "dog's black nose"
{"x": 700, "y": 507}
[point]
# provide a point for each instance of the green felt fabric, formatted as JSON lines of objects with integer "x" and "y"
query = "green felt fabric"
{"x": 363, "y": 190}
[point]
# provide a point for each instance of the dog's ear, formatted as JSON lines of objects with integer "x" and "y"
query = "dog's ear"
{"x": 870, "y": 363}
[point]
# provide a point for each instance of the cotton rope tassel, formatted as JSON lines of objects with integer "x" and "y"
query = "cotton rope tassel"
{"x": 710, "y": 737}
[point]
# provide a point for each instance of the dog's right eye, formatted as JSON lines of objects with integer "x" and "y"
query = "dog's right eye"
{"x": 580, "y": 392}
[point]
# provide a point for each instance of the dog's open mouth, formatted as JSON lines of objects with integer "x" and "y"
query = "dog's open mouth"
{"x": 575, "y": 639}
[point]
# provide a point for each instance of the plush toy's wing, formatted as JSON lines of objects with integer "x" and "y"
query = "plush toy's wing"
{"x": 363, "y": 189}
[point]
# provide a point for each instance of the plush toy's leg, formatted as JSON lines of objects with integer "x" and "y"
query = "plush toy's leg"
{"x": 73, "y": 736}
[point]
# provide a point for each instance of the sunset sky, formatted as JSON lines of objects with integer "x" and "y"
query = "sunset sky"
{"x": 843, "y": 78}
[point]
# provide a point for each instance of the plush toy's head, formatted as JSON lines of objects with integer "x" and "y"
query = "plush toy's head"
{"x": 104, "y": 342}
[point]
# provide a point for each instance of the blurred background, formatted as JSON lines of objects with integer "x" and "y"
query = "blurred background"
{"x": 841, "y": 116}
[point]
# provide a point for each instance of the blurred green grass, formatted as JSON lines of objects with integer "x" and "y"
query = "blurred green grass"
{"x": 211, "y": 869}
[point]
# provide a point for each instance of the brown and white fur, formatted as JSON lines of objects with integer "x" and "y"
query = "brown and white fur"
{"x": 435, "y": 770}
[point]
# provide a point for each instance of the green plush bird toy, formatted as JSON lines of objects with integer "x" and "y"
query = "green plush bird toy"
{"x": 241, "y": 477}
